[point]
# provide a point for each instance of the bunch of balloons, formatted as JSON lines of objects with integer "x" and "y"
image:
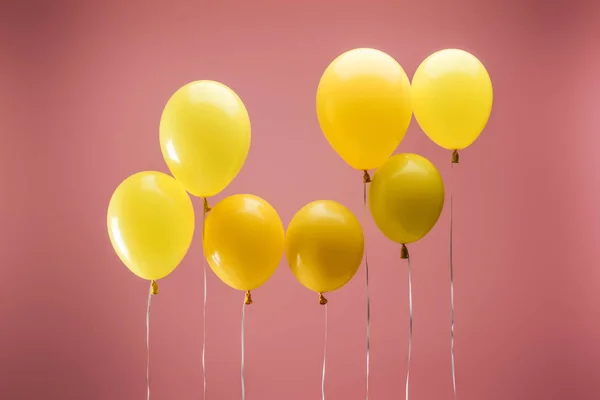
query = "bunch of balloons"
{"x": 204, "y": 139}
{"x": 364, "y": 105}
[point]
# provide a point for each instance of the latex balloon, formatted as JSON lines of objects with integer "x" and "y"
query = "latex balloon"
{"x": 406, "y": 197}
{"x": 244, "y": 241}
{"x": 205, "y": 136}
{"x": 452, "y": 98}
{"x": 364, "y": 107}
{"x": 324, "y": 245}
{"x": 150, "y": 223}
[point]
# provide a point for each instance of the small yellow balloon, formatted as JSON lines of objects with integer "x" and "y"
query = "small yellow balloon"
{"x": 324, "y": 246}
{"x": 452, "y": 98}
{"x": 205, "y": 136}
{"x": 406, "y": 197}
{"x": 244, "y": 240}
{"x": 364, "y": 106}
{"x": 150, "y": 223}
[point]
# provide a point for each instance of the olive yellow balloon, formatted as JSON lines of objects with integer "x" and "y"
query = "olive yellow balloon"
{"x": 406, "y": 197}
{"x": 244, "y": 241}
{"x": 324, "y": 246}
{"x": 205, "y": 136}
{"x": 364, "y": 106}
{"x": 150, "y": 223}
{"x": 452, "y": 98}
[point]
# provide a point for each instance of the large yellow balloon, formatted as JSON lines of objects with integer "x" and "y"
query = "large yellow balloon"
{"x": 244, "y": 240}
{"x": 205, "y": 136}
{"x": 406, "y": 197}
{"x": 150, "y": 223}
{"x": 452, "y": 98}
{"x": 324, "y": 245}
{"x": 364, "y": 107}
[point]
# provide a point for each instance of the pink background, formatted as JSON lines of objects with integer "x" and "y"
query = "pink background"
{"x": 82, "y": 86}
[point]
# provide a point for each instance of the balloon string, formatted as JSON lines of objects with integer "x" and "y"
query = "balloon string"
{"x": 206, "y": 210}
{"x": 324, "y": 355}
{"x": 452, "y": 300}
{"x": 367, "y": 179}
{"x": 410, "y": 326}
{"x": 150, "y": 293}
{"x": 243, "y": 350}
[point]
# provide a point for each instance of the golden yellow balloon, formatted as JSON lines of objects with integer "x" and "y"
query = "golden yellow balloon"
{"x": 452, "y": 98}
{"x": 324, "y": 245}
{"x": 150, "y": 223}
{"x": 244, "y": 241}
{"x": 205, "y": 136}
{"x": 406, "y": 197}
{"x": 364, "y": 106}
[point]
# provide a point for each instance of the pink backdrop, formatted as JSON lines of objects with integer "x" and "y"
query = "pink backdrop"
{"x": 82, "y": 86}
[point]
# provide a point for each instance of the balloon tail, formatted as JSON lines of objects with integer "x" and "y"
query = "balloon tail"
{"x": 248, "y": 298}
{"x": 243, "y": 349}
{"x": 153, "y": 287}
{"x": 455, "y": 157}
{"x": 452, "y": 302}
{"x": 410, "y": 326}
{"x": 367, "y": 179}
{"x": 322, "y": 300}
{"x": 206, "y": 210}
{"x": 324, "y": 355}
{"x": 153, "y": 291}
{"x": 404, "y": 252}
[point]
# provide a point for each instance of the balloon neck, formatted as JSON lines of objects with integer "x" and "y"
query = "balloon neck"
{"x": 153, "y": 287}
{"x": 322, "y": 299}
{"x": 206, "y": 206}
{"x": 248, "y": 298}
{"x": 366, "y": 177}
{"x": 455, "y": 157}
{"x": 404, "y": 252}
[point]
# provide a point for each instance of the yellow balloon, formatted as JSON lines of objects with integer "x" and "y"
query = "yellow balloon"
{"x": 364, "y": 107}
{"x": 150, "y": 223}
{"x": 205, "y": 136}
{"x": 452, "y": 98}
{"x": 406, "y": 197}
{"x": 324, "y": 245}
{"x": 244, "y": 240}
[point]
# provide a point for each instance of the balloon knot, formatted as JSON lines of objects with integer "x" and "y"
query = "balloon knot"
{"x": 366, "y": 177}
{"x": 153, "y": 287}
{"x": 455, "y": 157}
{"x": 322, "y": 299}
{"x": 206, "y": 207}
{"x": 248, "y": 298}
{"x": 404, "y": 252}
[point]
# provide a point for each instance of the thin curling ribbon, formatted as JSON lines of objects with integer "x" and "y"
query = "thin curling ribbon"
{"x": 206, "y": 210}
{"x": 247, "y": 301}
{"x": 323, "y": 302}
{"x": 455, "y": 160}
{"x": 405, "y": 255}
{"x": 153, "y": 291}
{"x": 367, "y": 179}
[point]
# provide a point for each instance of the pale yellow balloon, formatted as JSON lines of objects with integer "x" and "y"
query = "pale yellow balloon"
{"x": 205, "y": 136}
{"x": 364, "y": 106}
{"x": 452, "y": 98}
{"x": 244, "y": 241}
{"x": 406, "y": 197}
{"x": 324, "y": 245}
{"x": 150, "y": 222}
